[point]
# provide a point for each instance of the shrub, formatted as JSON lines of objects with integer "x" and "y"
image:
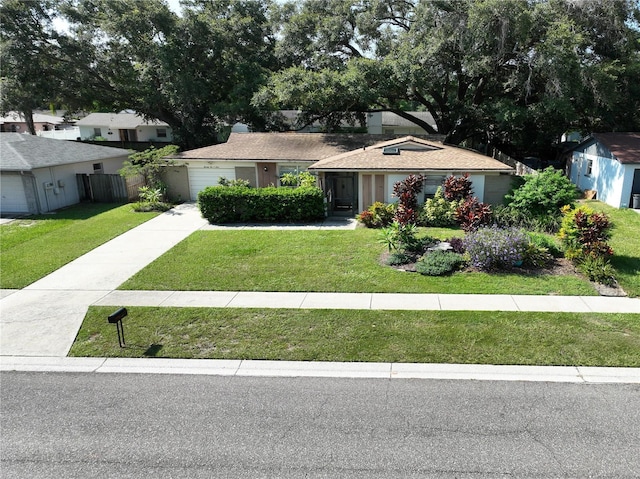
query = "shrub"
{"x": 438, "y": 211}
{"x": 536, "y": 256}
{"x": 585, "y": 233}
{"x": 457, "y": 245}
{"x": 302, "y": 179}
{"x": 471, "y": 214}
{"x": 221, "y": 204}
{"x": 543, "y": 194}
{"x": 143, "y": 206}
{"x": 398, "y": 258}
{"x": 542, "y": 240}
{"x": 457, "y": 188}
{"x": 401, "y": 237}
{"x": 438, "y": 263}
{"x": 407, "y": 193}
{"x": 378, "y": 215}
{"x": 597, "y": 269}
{"x": 496, "y": 248}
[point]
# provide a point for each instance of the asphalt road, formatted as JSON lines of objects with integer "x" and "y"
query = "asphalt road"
{"x": 64, "y": 425}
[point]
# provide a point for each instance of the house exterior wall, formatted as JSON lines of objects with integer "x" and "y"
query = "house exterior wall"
{"x": 611, "y": 180}
{"x": 56, "y": 187}
{"x": 177, "y": 181}
{"x": 143, "y": 133}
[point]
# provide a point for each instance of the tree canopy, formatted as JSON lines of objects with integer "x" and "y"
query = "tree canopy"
{"x": 514, "y": 74}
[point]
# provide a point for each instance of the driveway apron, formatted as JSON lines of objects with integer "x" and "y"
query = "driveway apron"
{"x": 44, "y": 318}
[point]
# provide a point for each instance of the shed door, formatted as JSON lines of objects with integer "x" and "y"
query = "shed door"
{"x": 200, "y": 178}
{"x": 13, "y": 198}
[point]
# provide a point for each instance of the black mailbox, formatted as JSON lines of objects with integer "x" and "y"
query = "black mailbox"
{"x": 117, "y": 315}
{"x": 116, "y": 318}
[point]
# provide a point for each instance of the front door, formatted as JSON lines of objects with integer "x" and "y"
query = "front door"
{"x": 342, "y": 193}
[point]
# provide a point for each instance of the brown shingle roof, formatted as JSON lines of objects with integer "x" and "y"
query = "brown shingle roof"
{"x": 414, "y": 154}
{"x": 281, "y": 146}
{"x": 625, "y": 146}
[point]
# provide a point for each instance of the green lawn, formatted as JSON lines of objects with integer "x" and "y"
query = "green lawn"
{"x": 341, "y": 261}
{"x": 367, "y": 336}
{"x": 626, "y": 245}
{"x": 34, "y": 247}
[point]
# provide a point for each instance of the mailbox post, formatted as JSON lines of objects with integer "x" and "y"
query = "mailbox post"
{"x": 116, "y": 318}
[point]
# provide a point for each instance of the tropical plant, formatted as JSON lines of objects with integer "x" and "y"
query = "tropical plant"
{"x": 471, "y": 214}
{"x": 407, "y": 193}
{"x": 457, "y": 188}
{"x": 222, "y": 181}
{"x": 378, "y": 215}
{"x": 438, "y": 211}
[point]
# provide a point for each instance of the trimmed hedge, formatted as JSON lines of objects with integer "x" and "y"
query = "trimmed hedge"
{"x": 222, "y": 204}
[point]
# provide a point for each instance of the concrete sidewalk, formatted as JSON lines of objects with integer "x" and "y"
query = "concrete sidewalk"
{"x": 39, "y": 323}
{"x": 44, "y": 318}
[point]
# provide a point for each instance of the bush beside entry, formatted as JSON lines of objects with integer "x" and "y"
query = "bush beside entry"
{"x": 233, "y": 204}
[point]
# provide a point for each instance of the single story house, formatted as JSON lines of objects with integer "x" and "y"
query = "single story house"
{"x": 259, "y": 158}
{"x": 608, "y": 164}
{"x": 353, "y": 181}
{"x": 123, "y": 127}
{"x": 353, "y": 170}
{"x": 38, "y": 175}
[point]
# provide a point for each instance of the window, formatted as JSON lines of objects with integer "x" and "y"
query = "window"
{"x": 97, "y": 132}
{"x": 97, "y": 168}
{"x": 161, "y": 132}
{"x": 589, "y": 168}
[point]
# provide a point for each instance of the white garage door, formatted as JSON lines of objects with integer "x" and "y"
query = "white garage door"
{"x": 200, "y": 178}
{"x": 12, "y": 197}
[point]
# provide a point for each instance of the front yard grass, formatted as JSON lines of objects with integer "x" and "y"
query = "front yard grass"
{"x": 367, "y": 336}
{"x": 33, "y": 247}
{"x": 325, "y": 261}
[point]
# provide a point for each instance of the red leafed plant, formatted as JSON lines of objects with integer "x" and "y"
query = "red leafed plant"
{"x": 407, "y": 193}
{"x": 472, "y": 214}
{"x": 457, "y": 188}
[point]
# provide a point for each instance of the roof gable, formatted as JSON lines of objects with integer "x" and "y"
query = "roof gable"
{"x": 415, "y": 154}
{"x": 22, "y": 152}
{"x": 624, "y": 146}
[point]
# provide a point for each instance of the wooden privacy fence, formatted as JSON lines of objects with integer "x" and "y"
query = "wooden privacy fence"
{"x": 108, "y": 188}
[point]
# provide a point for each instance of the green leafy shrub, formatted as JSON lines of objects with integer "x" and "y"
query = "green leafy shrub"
{"x": 302, "y": 179}
{"x": 439, "y": 262}
{"x": 438, "y": 211}
{"x": 543, "y": 194}
{"x": 233, "y": 204}
{"x": 536, "y": 256}
{"x": 150, "y": 200}
{"x": 398, "y": 258}
{"x": 542, "y": 240}
{"x": 597, "y": 269}
{"x": 144, "y": 207}
{"x": 378, "y": 215}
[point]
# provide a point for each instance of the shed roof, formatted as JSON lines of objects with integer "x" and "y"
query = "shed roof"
{"x": 281, "y": 147}
{"x": 624, "y": 146}
{"x": 117, "y": 121}
{"x": 413, "y": 154}
{"x": 20, "y": 152}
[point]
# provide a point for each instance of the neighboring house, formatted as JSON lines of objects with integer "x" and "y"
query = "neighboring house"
{"x": 38, "y": 175}
{"x": 353, "y": 170}
{"x": 353, "y": 181}
{"x": 14, "y": 122}
{"x": 123, "y": 127}
{"x": 609, "y": 165}
{"x": 388, "y": 123}
{"x": 377, "y": 123}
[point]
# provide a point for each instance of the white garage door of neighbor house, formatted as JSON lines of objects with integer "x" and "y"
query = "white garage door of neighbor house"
{"x": 200, "y": 178}
{"x": 13, "y": 199}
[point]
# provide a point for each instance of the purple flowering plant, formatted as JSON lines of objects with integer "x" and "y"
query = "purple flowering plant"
{"x": 496, "y": 248}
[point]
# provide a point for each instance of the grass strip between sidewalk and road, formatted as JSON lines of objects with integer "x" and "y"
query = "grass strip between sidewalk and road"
{"x": 324, "y": 261}
{"x": 32, "y": 247}
{"x": 519, "y": 338}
